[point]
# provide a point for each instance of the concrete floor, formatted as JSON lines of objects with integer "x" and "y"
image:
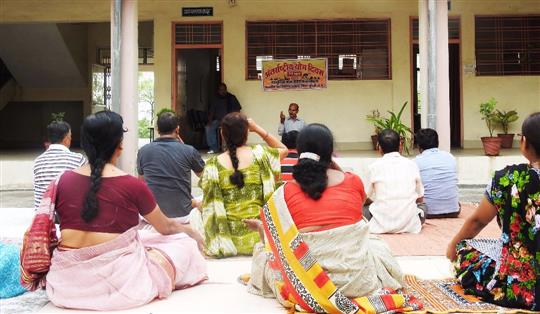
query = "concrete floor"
{"x": 16, "y": 202}
{"x": 473, "y": 167}
{"x": 25, "y": 198}
{"x": 228, "y": 296}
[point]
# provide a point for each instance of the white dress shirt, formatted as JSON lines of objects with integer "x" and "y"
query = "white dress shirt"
{"x": 394, "y": 184}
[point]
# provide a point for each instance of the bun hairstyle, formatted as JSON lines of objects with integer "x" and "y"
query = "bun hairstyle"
{"x": 101, "y": 133}
{"x": 531, "y": 130}
{"x": 311, "y": 174}
{"x": 234, "y": 128}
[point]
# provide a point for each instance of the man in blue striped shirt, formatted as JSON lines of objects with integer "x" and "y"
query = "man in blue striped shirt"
{"x": 439, "y": 176}
{"x": 56, "y": 159}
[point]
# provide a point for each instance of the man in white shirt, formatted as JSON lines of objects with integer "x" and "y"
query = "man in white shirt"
{"x": 56, "y": 159}
{"x": 395, "y": 187}
{"x": 291, "y": 123}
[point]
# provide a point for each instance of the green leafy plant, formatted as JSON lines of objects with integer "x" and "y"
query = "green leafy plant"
{"x": 504, "y": 118}
{"x": 487, "y": 110}
{"x": 58, "y": 116}
{"x": 374, "y": 115}
{"x": 143, "y": 128}
{"x": 163, "y": 111}
{"x": 394, "y": 122}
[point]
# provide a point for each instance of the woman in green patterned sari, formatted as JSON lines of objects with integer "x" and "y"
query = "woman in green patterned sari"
{"x": 236, "y": 184}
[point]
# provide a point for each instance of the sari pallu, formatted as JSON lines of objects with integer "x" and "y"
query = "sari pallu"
{"x": 129, "y": 271}
{"x": 39, "y": 242}
{"x": 300, "y": 283}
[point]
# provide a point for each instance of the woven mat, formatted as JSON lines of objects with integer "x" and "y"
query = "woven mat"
{"x": 447, "y": 296}
{"x": 435, "y": 235}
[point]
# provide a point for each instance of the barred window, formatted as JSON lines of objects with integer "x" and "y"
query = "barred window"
{"x": 355, "y": 49}
{"x": 507, "y": 45}
{"x": 189, "y": 34}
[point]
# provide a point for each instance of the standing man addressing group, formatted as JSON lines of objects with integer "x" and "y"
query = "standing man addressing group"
{"x": 223, "y": 104}
{"x": 56, "y": 159}
{"x": 166, "y": 164}
{"x": 292, "y": 122}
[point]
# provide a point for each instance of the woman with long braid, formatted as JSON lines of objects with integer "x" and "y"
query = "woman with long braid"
{"x": 103, "y": 262}
{"x": 318, "y": 253}
{"x": 236, "y": 184}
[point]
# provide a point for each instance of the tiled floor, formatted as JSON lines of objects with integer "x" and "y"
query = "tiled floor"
{"x": 221, "y": 293}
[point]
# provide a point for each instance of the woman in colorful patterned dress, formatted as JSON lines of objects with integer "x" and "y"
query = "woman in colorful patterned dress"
{"x": 506, "y": 271}
{"x": 236, "y": 184}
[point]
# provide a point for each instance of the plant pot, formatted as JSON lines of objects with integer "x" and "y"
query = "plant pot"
{"x": 402, "y": 146}
{"x": 507, "y": 140}
{"x": 375, "y": 141}
{"x": 492, "y": 145}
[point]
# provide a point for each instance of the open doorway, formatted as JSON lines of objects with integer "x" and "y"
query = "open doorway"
{"x": 198, "y": 74}
{"x": 454, "y": 67}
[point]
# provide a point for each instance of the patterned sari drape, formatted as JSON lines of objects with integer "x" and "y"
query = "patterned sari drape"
{"x": 215, "y": 222}
{"x": 302, "y": 284}
{"x": 39, "y": 241}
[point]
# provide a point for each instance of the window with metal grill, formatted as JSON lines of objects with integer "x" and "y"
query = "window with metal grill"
{"x": 198, "y": 34}
{"x": 356, "y": 49}
{"x": 507, "y": 45}
{"x": 146, "y": 56}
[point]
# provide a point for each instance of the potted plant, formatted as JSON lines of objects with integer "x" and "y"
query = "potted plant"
{"x": 503, "y": 120}
{"x": 492, "y": 145}
{"x": 58, "y": 116}
{"x": 375, "y": 114}
{"x": 394, "y": 123}
{"x": 55, "y": 117}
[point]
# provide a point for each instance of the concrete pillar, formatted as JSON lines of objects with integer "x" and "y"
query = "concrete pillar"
{"x": 116, "y": 41}
{"x": 129, "y": 74}
{"x": 433, "y": 42}
{"x": 423, "y": 62}
{"x": 443, "y": 77}
{"x": 432, "y": 65}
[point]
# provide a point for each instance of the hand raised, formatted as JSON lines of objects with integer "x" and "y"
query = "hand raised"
{"x": 252, "y": 125}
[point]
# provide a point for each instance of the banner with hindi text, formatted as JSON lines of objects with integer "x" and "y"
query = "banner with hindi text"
{"x": 294, "y": 74}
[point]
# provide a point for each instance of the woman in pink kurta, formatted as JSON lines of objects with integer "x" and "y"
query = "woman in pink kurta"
{"x": 103, "y": 262}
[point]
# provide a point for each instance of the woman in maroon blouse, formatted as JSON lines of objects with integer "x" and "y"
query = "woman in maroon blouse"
{"x": 103, "y": 262}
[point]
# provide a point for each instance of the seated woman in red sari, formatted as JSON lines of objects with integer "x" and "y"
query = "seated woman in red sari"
{"x": 319, "y": 255}
{"x": 506, "y": 271}
{"x": 103, "y": 262}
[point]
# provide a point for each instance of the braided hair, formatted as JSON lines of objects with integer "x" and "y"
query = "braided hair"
{"x": 101, "y": 133}
{"x": 311, "y": 174}
{"x": 234, "y": 128}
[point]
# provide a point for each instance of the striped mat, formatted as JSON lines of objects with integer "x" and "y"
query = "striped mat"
{"x": 447, "y": 296}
